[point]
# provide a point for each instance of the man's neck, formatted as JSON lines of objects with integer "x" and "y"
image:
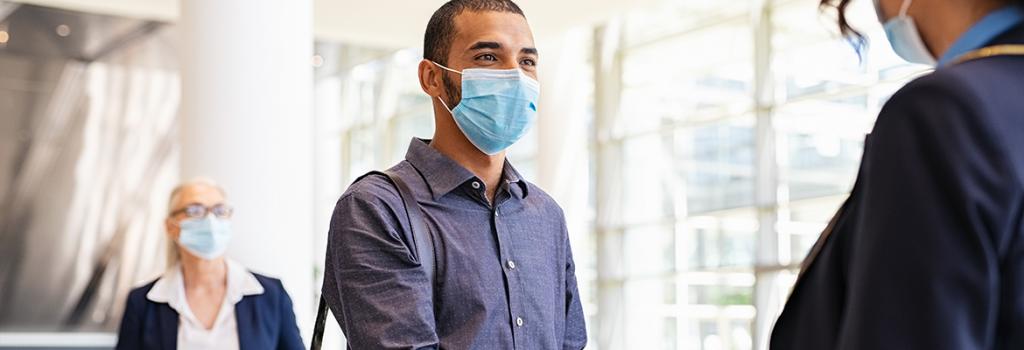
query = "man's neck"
{"x": 486, "y": 167}
{"x": 204, "y": 274}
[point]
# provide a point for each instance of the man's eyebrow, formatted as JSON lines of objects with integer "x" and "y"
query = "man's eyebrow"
{"x": 485, "y": 45}
{"x": 529, "y": 51}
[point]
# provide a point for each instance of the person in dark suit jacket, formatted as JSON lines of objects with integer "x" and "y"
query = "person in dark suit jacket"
{"x": 205, "y": 301}
{"x": 928, "y": 251}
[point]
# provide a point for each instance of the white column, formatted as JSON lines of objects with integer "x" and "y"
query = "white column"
{"x": 247, "y": 122}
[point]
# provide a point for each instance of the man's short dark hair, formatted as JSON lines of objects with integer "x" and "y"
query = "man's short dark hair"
{"x": 441, "y": 29}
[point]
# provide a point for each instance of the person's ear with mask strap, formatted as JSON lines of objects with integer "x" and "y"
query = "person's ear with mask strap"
{"x": 904, "y": 36}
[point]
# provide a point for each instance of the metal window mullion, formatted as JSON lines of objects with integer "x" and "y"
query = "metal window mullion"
{"x": 607, "y": 58}
{"x": 766, "y": 176}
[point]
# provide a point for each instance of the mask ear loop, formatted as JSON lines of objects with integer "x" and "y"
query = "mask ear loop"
{"x": 439, "y": 97}
{"x": 905, "y": 8}
{"x": 446, "y": 68}
{"x": 445, "y": 106}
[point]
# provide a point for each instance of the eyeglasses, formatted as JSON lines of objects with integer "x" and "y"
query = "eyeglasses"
{"x": 198, "y": 211}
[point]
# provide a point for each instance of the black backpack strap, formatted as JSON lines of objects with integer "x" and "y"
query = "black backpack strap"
{"x": 318, "y": 328}
{"x": 422, "y": 240}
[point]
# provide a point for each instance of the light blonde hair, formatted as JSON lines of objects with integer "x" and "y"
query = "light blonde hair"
{"x": 173, "y": 256}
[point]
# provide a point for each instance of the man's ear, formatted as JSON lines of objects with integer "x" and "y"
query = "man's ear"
{"x": 430, "y": 79}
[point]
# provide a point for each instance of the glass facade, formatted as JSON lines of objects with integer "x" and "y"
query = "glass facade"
{"x": 740, "y": 133}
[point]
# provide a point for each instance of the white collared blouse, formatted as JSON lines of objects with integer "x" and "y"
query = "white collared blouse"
{"x": 192, "y": 334}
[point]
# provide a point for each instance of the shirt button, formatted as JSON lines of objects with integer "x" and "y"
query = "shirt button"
{"x": 519, "y": 321}
{"x": 495, "y": 212}
{"x": 512, "y": 264}
{"x": 476, "y": 185}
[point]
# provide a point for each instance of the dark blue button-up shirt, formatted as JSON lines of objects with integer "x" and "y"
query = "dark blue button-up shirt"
{"x": 505, "y": 274}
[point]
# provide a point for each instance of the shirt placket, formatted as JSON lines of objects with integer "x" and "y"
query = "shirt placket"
{"x": 510, "y": 269}
{"x": 509, "y": 266}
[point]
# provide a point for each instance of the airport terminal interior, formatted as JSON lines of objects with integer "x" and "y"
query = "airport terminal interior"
{"x": 697, "y": 148}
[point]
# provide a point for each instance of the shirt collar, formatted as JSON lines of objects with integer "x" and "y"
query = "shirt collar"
{"x": 983, "y": 32}
{"x": 170, "y": 288}
{"x": 444, "y": 175}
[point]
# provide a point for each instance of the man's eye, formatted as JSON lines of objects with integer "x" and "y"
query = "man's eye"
{"x": 487, "y": 57}
{"x": 529, "y": 62}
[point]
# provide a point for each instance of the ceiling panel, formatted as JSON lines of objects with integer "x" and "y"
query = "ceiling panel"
{"x": 392, "y": 23}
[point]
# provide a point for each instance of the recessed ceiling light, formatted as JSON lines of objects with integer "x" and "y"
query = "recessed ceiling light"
{"x": 63, "y": 30}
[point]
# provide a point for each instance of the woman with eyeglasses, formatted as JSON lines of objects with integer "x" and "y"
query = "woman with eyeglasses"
{"x": 204, "y": 300}
{"x": 928, "y": 251}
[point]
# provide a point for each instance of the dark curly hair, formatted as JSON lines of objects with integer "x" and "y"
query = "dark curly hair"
{"x": 847, "y": 30}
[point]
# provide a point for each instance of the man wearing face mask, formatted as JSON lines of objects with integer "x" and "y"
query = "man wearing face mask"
{"x": 500, "y": 274}
{"x": 205, "y": 301}
{"x": 928, "y": 252}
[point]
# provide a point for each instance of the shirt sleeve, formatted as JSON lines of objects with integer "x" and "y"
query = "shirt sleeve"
{"x": 937, "y": 204}
{"x": 575, "y": 321}
{"x": 374, "y": 286}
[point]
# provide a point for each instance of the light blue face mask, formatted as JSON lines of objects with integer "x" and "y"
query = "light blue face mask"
{"x": 207, "y": 237}
{"x": 904, "y": 37}
{"x": 497, "y": 108}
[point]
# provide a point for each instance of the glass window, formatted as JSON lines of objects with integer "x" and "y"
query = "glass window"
{"x": 686, "y": 137}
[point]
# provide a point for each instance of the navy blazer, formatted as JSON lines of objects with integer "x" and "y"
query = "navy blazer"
{"x": 265, "y": 321}
{"x": 928, "y": 252}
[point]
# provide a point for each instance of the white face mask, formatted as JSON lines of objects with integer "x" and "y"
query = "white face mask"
{"x": 904, "y": 37}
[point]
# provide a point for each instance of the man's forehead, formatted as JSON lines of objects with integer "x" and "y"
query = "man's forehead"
{"x": 506, "y": 28}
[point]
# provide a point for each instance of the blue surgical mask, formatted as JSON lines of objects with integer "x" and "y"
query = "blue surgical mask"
{"x": 206, "y": 237}
{"x": 904, "y": 37}
{"x": 497, "y": 108}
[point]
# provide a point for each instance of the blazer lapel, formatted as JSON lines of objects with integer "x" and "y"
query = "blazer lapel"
{"x": 245, "y": 316}
{"x": 168, "y": 325}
